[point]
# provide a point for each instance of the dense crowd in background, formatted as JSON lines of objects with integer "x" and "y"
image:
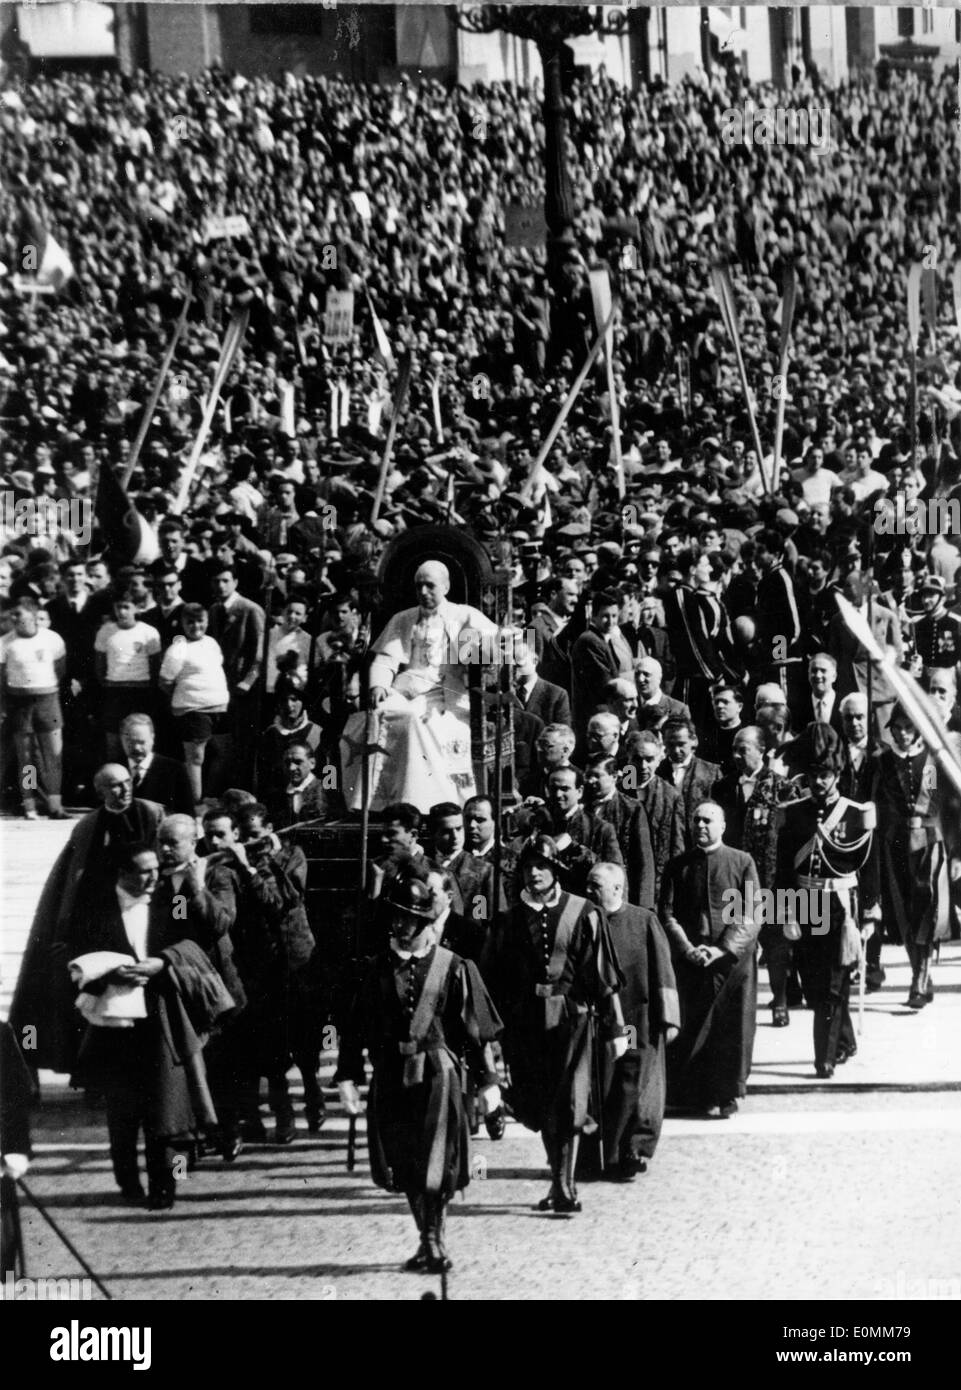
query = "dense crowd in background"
{"x": 674, "y": 646}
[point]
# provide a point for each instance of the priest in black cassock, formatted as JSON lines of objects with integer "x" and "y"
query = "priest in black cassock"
{"x": 635, "y": 1085}
{"x": 708, "y": 909}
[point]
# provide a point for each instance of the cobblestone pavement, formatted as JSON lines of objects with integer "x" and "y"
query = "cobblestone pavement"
{"x": 815, "y": 1190}
{"x": 814, "y": 1197}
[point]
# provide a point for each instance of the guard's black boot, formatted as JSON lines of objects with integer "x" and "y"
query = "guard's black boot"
{"x": 438, "y": 1261}
{"x": 566, "y": 1199}
{"x": 549, "y": 1203}
{"x": 418, "y": 1261}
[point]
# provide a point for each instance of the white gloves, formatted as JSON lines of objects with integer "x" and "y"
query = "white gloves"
{"x": 491, "y": 1099}
{"x": 15, "y": 1165}
{"x": 349, "y": 1097}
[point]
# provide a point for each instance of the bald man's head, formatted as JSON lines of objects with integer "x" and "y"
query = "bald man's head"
{"x": 432, "y": 584}
{"x": 114, "y": 786}
{"x": 605, "y": 886}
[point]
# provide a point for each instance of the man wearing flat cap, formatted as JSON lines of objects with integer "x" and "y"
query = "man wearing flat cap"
{"x": 826, "y": 853}
{"x": 423, "y": 1015}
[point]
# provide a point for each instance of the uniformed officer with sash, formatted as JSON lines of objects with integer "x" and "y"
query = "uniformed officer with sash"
{"x": 826, "y": 850}
{"x": 554, "y": 978}
{"x": 422, "y": 1013}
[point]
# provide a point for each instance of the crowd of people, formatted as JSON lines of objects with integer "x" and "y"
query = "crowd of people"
{"x": 692, "y": 723}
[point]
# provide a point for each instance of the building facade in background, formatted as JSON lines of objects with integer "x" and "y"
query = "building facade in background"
{"x": 383, "y": 43}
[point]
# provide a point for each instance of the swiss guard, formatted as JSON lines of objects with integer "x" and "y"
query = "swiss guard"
{"x": 554, "y": 977}
{"x": 826, "y": 853}
{"x": 423, "y": 1014}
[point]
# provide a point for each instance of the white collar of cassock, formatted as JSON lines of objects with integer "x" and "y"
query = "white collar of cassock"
{"x": 536, "y": 905}
{"x": 410, "y": 955}
{"x": 911, "y": 752}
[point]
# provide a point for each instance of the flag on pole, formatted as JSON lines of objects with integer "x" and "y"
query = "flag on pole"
{"x": 724, "y": 294}
{"x": 546, "y": 518}
{"x": 44, "y": 256}
{"x": 603, "y": 300}
{"x": 384, "y": 351}
{"x": 125, "y": 534}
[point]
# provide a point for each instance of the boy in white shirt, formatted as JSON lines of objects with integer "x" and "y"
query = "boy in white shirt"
{"x": 32, "y": 663}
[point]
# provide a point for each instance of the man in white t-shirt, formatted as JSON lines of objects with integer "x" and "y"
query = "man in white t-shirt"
{"x": 32, "y": 664}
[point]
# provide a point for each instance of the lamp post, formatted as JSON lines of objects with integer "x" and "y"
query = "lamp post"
{"x": 549, "y": 27}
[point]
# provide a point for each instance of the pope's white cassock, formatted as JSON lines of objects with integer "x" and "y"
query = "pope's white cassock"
{"x": 422, "y": 730}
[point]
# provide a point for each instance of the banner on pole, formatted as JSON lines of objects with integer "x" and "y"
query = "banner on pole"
{"x": 339, "y": 317}
{"x": 524, "y": 225}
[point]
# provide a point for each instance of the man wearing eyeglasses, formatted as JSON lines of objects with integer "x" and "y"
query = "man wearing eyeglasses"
{"x": 167, "y": 607}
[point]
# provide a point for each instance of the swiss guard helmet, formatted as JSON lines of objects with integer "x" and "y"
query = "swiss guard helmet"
{"x": 540, "y": 849}
{"x": 819, "y": 749}
{"x": 410, "y": 893}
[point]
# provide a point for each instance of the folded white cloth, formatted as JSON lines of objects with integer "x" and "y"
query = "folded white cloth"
{"x": 119, "y": 1004}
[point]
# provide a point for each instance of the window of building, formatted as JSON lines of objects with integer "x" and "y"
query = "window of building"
{"x": 927, "y": 21}
{"x": 905, "y": 23}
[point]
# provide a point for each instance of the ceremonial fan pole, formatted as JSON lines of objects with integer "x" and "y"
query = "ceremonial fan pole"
{"x": 134, "y": 456}
{"x": 914, "y": 333}
{"x": 400, "y": 401}
{"x": 918, "y": 705}
{"x": 568, "y": 403}
{"x": 228, "y": 353}
{"x": 604, "y": 313}
{"x": 787, "y": 320}
{"x": 724, "y": 293}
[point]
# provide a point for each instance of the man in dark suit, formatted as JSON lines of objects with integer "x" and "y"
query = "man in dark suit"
{"x": 194, "y": 579}
{"x": 168, "y": 604}
{"x": 43, "y": 997}
{"x": 621, "y": 699}
{"x": 691, "y": 777}
{"x": 148, "y": 1079}
{"x": 304, "y": 797}
{"x": 597, "y": 656}
{"x": 660, "y": 801}
{"x": 582, "y": 839}
{"x": 654, "y": 707}
{"x": 76, "y": 619}
{"x": 237, "y": 624}
{"x": 603, "y": 800}
{"x": 857, "y": 780}
{"x": 153, "y": 776}
{"x": 820, "y": 703}
{"x": 727, "y": 702}
{"x": 547, "y": 702}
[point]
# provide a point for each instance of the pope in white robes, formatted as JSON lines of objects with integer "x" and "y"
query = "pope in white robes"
{"x": 420, "y": 723}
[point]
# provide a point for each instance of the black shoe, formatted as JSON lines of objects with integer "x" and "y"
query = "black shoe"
{"x": 438, "y": 1262}
{"x": 726, "y": 1109}
{"x": 418, "y": 1263}
{"x": 547, "y": 1203}
{"x": 566, "y": 1204}
{"x": 916, "y": 1000}
{"x": 233, "y": 1147}
{"x": 823, "y": 1071}
{"x": 843, "y": 1053}
{"x": 316, "y": 1121}
{"x": 626, "y": 1169}
{"x": 132, "y": 1192}
{"x": 496, "y": 1123}
{"x": 873, "y": 981}
{"x": 780, "y": 1018}
{"x": 285, "y": 1132}
{"x": 162, "y": 1200}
